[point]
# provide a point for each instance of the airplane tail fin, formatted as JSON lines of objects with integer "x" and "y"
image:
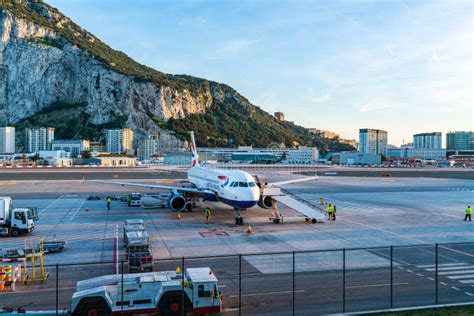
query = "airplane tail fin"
{"x": 195, "y": 156}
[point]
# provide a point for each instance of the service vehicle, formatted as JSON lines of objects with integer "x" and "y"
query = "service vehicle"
{"x": 16, "y": 221}
{"x": 161, "y": 293}
{"x": 138, "y": 251}
{"x": 134, "y": 199}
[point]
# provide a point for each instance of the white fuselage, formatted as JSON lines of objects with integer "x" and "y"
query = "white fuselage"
{"x": 232, "y": 187}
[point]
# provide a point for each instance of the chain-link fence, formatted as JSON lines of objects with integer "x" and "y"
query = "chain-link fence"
{"x": 287, "y": 283}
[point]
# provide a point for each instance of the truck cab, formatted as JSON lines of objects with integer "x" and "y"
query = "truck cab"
{"x": 135, "y": 199}
{"x": 16, "y": 221}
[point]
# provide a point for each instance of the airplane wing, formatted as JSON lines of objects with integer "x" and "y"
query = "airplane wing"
{"x": 280, "y": 183}
{"x": 157, "y": 186}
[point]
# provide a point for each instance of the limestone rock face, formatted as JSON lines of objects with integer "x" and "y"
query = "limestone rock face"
{"x": 40, "y": 68}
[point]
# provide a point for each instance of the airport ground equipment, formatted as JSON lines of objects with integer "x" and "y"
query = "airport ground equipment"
{"x": 138, "y": 251}
{"x": 16, "y": 221}
{"x": 164, "y": 293}
{"x": 135, "y": 199}
{"x": 35, "y": 256}
{"x": 132, "y": 225}
{"x": 10, "y": 273}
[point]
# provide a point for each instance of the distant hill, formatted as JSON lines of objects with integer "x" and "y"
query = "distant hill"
{"x": 57, "y": 74}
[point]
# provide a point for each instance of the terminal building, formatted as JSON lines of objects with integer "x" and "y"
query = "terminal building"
{"x": 7, "y": 140}
{"x": 416, "y": 153}
{"x": 355, "y": 158}
{"x": 72, "y": 146}
{"x": 250, "y": 155}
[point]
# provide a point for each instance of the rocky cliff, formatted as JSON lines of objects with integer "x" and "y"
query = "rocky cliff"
{"x": 53, "y": 72}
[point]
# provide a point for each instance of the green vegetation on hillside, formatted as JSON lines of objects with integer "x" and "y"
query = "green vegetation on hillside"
{"x": 234, "y": 123}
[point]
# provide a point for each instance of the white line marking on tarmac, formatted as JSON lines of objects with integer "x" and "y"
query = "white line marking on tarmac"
{"x": 431, "y": 279}
{"x": 374, "y": 285}
{"x": 470, "y": 294}
{"x": 456, "y": 272}
{"x": 465, "y": 276}
{"x": 41, "y": 212}
{"x": 408, "y": 270}
{"x": 443, "y": 283}
{"x": 419, "y": 274}
{"x": 455, "y": 288}
{"x": 401, "y": 268}
{"x": 449, "y": 268}
{"x": 269, "y": 293}
{"x": 441, "y": 265}
{"x": 467, "y": 281}
{"x": 77, "y": 210}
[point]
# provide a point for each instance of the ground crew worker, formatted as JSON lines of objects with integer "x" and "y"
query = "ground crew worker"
{"x": 334, "y": 212}
{"x": 468, "y": 213}
{"x": 129, "y": 200}
{"x": 207, "y": 213}
{"x": 321, "y": 201}
{"x": 109, "y": 200}
{"x": 329, "y": 209}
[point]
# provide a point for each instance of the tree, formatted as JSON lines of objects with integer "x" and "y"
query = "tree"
{"x": 86, "y": 154}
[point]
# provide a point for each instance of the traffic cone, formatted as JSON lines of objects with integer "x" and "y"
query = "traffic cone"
{"x": 249, "y": 230}
{"x": 178, "y": 270}
{"x": 178, "y": 216}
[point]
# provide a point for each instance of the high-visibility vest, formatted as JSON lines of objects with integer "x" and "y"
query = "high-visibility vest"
{"x": 207, "y": 212}
{"x": 468, "y": 211}
{"x": 108, "y": 200}
{"x": 330, "y": 209}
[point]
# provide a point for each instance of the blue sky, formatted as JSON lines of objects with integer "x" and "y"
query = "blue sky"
{"x": 403, "y": 66}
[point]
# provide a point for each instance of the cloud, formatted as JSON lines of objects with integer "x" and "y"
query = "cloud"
{"x": 376, "y": 106}
{"x": 235, "y": 47}
{"x": 320, "y": 98}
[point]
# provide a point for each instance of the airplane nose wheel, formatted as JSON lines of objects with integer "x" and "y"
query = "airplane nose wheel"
{"x": 239, "y": 221}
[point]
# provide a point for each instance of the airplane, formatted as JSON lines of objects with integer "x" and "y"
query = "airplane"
{"x": 235, "y": 188}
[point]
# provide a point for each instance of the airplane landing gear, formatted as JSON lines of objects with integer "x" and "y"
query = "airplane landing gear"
{"x": 238, "y": 219}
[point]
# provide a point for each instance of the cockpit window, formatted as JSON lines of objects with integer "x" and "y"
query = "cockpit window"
{"x": 243, "y": 184}
{"x": 252, "y": 184}
{"x": 234, "y": 184}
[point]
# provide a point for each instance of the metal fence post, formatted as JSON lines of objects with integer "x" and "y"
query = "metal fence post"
{"x": 436, "y": 275}
{"x": 344, "y": 280}
{"x": 121, "y": 305}
{"x": 391, "y": 276}
{"x": 240, "y": 284}
{"x": 182, "y": 287}
{"x": 294, "y": 282}
{"x": 57, "y": 289}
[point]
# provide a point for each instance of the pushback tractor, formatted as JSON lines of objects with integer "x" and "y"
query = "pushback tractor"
{"x": 163, "y": 293}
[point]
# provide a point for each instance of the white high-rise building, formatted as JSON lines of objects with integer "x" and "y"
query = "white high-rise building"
{"x": 7, "y": 140}
{"x": 119, "y": 140}
{"x": 372, "y": 141}
{"x": 39, "y": 138}
{"x": 72, "y": 146}
{"x": 427, "y": 140}
{"x": 149, "y": 147}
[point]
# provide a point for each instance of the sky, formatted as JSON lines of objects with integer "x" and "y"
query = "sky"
{"x": 402, "y": 66}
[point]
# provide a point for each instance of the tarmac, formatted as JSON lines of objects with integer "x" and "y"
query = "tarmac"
{"x": 371, "y": 212}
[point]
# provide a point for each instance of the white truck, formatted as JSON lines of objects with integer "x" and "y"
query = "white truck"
{"x": 159, "y": 293}
{"x": 134, "y": 199}
{"x": 14, "y": 222}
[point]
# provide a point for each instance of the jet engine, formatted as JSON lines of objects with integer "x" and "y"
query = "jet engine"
{"x": 265, "y": 201}
{"x": 177, "y": 203}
